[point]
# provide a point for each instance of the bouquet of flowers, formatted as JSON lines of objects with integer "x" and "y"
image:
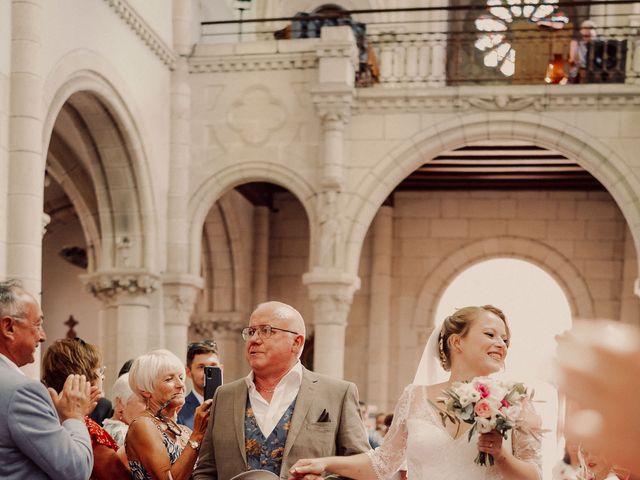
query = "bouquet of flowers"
{"x": 487, "y": 404}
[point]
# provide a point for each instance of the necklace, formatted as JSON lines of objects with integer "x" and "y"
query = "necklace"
{"x": 169, "y": 424}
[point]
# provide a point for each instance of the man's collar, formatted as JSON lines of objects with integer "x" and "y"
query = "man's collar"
{"x": 294, "y": 372}
{"x": 199, "y": 397}
{"x": 10, "y": 363}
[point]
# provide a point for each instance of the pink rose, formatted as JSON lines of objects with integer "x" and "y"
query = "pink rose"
{"x": 483, "y": 409}
{"x": 504, "y": 403}
{"x": 483, "y": 389}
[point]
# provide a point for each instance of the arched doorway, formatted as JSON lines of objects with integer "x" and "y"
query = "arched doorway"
{"x": 255, "y": 247}
{"x": 97, "y": 196}
{"x": 537, "y": 310}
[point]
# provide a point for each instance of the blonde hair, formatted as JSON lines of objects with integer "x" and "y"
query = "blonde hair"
{"x": 459, "y": 324}
{"x": 147, "y": 368}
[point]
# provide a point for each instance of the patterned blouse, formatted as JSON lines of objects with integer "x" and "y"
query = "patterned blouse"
{"x": 99, "y": 436}
{"x": 174, "y": 449}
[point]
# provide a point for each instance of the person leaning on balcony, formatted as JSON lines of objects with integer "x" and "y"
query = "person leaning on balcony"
{"x": 578, "y": 51}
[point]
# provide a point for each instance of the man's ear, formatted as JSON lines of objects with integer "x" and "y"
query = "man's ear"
{"x": 298, "y": 344}
{"x": 187, "y": 370}
{"x": 7, "y": 326}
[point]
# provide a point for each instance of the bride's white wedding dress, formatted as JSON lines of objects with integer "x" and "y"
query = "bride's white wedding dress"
{"x": 431, "y": 453}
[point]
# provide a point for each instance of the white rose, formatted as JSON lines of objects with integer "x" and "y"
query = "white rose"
{"x": 484, "y": 425}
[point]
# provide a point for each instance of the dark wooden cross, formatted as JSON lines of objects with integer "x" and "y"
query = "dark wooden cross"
{"x": 72, "y": 322}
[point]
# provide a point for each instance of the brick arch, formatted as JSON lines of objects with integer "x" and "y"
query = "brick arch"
{"x": 590, "y": 153}
{"x": 221, "y": 182}
{"x": 540, "y": 254}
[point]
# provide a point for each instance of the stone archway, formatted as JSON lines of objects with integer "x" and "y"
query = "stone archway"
{"x": 597, "y": 158}
{"x": 544, "y": 256}
{"x": 217, "y": 184}
{"x": 95, "y": 152}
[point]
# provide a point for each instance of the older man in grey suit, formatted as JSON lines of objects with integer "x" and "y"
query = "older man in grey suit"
{"x": 42, "y": 434}
{"x": 280, "y": 412}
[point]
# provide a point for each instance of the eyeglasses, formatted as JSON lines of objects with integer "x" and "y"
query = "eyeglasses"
{"x": 203, "y": 343}
{"x": 264, "y": 331}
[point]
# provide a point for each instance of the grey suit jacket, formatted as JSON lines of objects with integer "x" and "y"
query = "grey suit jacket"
{"x": 223, "y": 453}
{"x": 33, "y": 444}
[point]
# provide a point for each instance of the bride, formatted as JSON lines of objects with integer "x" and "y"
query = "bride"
{"x": 472, "y": 342}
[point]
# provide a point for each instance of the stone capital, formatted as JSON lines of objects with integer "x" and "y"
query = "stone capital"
{"x": 331, "y": 293}
{"x": 333, "y": 104}
{"x": 218, "y": 324}
{"x": 180, "y": 292}
{"x": 112, "y": 286}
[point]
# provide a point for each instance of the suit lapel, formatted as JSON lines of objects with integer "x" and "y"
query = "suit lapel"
{"x": 303, "y": 403}
{"x": 239, "y": 406}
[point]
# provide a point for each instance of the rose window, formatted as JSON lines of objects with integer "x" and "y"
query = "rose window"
{"x": 493, "y": 41}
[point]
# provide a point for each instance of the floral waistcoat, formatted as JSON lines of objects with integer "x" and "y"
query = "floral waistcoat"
{"x": 266, "y": 453}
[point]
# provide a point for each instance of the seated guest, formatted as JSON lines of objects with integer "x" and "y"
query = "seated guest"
{"x": 199, "y": 355}
{"x": 74, "y": 356}
{"x": 127, "y": 407}
{"x": 157, "y": 446}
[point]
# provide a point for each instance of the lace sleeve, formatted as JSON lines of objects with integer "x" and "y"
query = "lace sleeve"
{"x": 390, "y": 456}
{"x": 527, "y": 437}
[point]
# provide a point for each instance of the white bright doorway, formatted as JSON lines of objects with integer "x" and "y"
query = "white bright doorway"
{"x": 537, "y": 310}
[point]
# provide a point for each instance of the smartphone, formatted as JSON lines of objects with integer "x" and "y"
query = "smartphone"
{"x": 212, "y": 380}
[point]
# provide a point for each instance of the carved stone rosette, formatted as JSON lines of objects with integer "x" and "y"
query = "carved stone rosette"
{"x": 109, "y": 286}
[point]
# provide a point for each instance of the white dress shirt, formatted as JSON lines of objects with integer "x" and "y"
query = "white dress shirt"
{"x": 199, "y": 397}
{"x": 269, "y": 414}
{"x": 10, "y": 363}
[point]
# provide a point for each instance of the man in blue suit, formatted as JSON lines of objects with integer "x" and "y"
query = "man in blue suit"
{"x": 199, "y": 355}
{"x": 42, "y": 433}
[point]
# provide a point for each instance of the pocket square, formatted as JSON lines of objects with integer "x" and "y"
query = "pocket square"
{"x": 324, "y": 417}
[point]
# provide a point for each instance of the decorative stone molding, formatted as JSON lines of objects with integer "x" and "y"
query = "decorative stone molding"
{"x": 109, "y": 285}
{"x": 180, "y": 293}
{"x": 254, "y": 62}
{"x": 255, "y": 115}
{"x": 588, "y": 97}
{"x": 143, "y": 31}
{"x": 340, "y": 50}
{"x": 215, "y": 324}
{"x": 331, "y": 238}
{"x": 331, "y": 293}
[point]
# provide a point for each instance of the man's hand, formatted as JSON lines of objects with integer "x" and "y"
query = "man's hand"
{"x": 76, "y": 399}
{"x": 307, "y": 469}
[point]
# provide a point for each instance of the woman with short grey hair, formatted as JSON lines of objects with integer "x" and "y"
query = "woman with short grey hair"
{"x": 157, "y": 446}
{"x": 126, "y": 407}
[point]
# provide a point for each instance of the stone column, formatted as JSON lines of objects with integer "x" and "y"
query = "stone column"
{"x": 180, "y": 293}
{"x": 5, "y": 75}
{"x": 125, "y": 314}
{"x": 380, "y": 308}
{"x": 331, "y": 294}
{"x": 260, "y": 278}
{"x": 26, "y": 162}
{"x": 330, "y": 287}
{"x": 179, "y": 288}
{"x": 224, "y": 328}
{"x": 25, "y": 186}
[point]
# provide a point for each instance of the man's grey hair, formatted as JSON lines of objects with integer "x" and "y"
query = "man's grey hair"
{"x": 11, "y": 303}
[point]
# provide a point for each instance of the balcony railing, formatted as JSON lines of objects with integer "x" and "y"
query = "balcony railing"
{"x": 540, "y": 56}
